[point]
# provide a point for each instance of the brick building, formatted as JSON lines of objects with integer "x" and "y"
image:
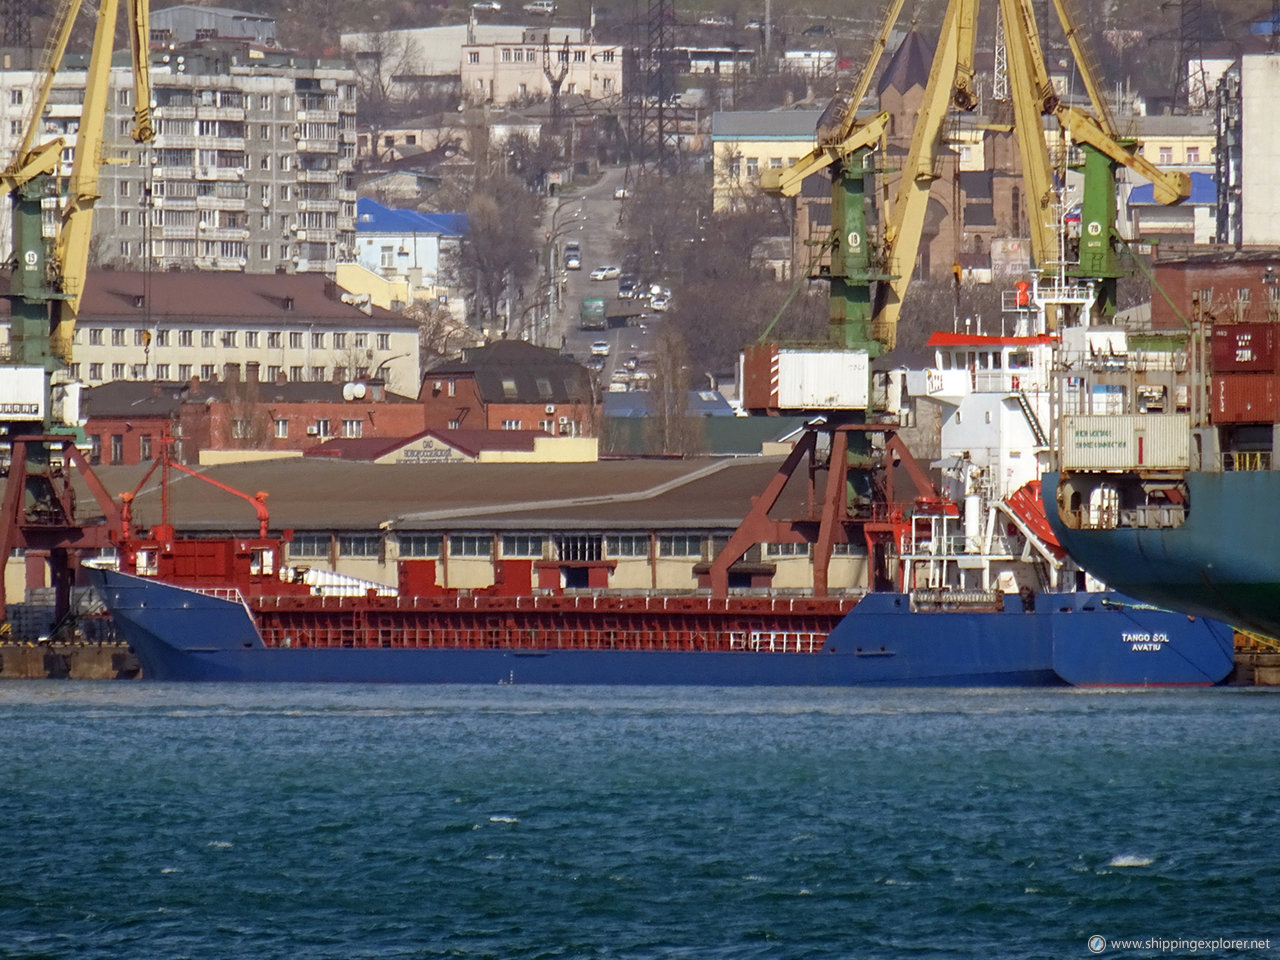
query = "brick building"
{"x": 126, "y": 421}
{"x": 512, "y": 385}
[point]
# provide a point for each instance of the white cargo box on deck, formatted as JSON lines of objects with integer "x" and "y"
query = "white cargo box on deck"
{"x": 1153, "y": 441}
{"x": 22, "y": 393}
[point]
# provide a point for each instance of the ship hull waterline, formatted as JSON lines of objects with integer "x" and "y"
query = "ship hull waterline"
{"x": 1076, "y": 639}
{"x": 1220, "y": 563}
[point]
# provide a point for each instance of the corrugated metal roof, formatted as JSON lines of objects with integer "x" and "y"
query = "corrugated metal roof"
{"x": 273, "y": 299}
{"x": 765, "y": 124}
{"x": 138, "y": 398}
{"x": 512, "y": 371}
{"x": 1204, "y": 189}
{"x": 373, "y": 217}
{"x": 341, "y": 495}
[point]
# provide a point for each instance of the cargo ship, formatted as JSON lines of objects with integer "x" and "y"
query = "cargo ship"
{"x": 964, "y": 594}
{"x": 1167, "y": 495}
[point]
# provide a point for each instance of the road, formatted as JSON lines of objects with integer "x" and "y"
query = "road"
{"x": 591, "y": 217}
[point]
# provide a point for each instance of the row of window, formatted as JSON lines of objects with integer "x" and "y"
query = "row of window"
{"x": 253, "y": 339}
{"x": 524, "y": 546}
{"x": 241, "y": 429}
{"x": 183, "y": 372}
{"x": 984, "y": 359}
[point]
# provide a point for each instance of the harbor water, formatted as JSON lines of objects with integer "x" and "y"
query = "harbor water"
{"x": 508, "y": 822}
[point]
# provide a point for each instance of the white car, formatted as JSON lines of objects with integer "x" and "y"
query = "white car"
{"x": 543, "y": 7}
{"x": 600, "y": 348}
{"x": 659, "y": 303}
{"x": 490, "y": 5}
{"x": 621, "y": 193}
{"x": 606, "y": 273}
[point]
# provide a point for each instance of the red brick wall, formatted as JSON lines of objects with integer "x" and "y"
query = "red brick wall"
{"x": 131, "y": 431}
{"x": 1181, "y": 280}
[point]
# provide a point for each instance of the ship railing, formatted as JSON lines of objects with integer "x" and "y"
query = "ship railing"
{"x": 1153, "y": 516}
{"x": 769, "y": 641}
{"x": 1247, "y": 460}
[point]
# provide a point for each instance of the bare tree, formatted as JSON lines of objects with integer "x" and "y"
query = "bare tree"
{"x": 499, "y": 256}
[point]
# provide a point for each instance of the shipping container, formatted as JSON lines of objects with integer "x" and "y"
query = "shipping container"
{"x": 1246, "y": 398}
{"x": 778, "y": 378}
{"x": 1244, "y": 348}
{"x": 1154, "y": 441}
{"x": 22, "y": 391}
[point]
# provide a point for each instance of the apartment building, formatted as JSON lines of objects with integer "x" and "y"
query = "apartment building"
{"x": 250, "y": 170}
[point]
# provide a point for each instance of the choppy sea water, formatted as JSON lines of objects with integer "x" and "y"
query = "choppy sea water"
{"x": 168, "y": 821}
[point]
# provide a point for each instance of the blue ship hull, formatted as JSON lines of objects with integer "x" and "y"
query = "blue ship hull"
{"x": 1082, "y": 638}
{"x": 1221, "y": 562}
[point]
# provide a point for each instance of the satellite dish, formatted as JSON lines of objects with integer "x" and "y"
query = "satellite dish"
{"x": 358, "y": 390}
{"x": 348, "y": 391}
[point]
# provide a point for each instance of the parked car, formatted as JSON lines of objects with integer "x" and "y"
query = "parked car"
{"x": 543, "y": 8}
{"x": 659, "y": 303}
{"x": 817, "y": 30}
{"x": 621, "y": 193}
{"x": 714, "y": 20}
{"x": 606, "y": 272}
{"x": 491, "y": 6}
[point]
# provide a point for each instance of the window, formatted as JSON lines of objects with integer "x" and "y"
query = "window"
{"x": 506, "y": 55}
{"x": 274, "y": 340}
{"x": 295, "y": 340}
{"x": 509, "y": 391}
{"x": 579, "y": 56}
{"x": 95, "y": 371}
{"x": 753, "y": 167}
{"x": 138, "y": 371}
{"x": 162, "y": 371}
{"x": 1193, "y": 154}
{"x": 322, "y": 427}
{"x": 362, "y": 340}
{"x": 282, "y": 429}
{"x": 628, "y": 545}
{"x": 162, "y": 338}
{"x": 117, "y": 371}
{"x": 117, "y": 338}
{"x": 317, "y": 374}
{"x": 273, "y": 373}
{"x": 295, "y": 374}
{"x": 679, "y": 545}
{"x": 419, "y": 545}
{"x": 384, "y": 341}
{"x": 465, "y": 545}
{"x": 117, "y": 448}
{"x": 607, "y": 56}
{"x": 359, "y": 544}
{"x": 522, "y": 545}
{"x": 184, "y": 372}
{"x": 1166, "y": 155}
{"x": 206, "y": 338}
{"x": 144, "y": 447}
{"x": 122, "y": 188}
{"x": 510, "y": 425}
{"x": 775, "y": 163}
{"x": 473, "y": 56}
{"x": 339, "y": 341}
{"x": 124, "y": 218}
{"x": 184, "y": 338}
{"x": 239, "y": 429}
{"x": 228, "y": 338}
{"x": 309, "y": 545}
{"x": 207, "y": 372}
{"x": 95, "y": 336}
{"x": 352, "y": 428}
{"x": 317, "y": 341}
{"x": 787, "y": 549}
{"x": 251, "y": 339}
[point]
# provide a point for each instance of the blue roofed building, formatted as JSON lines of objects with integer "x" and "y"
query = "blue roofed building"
{"x": 419, "y": 251}
{"x": 1192, "y": 221}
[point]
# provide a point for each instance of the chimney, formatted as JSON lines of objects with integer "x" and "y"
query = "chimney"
{"x": 252, "y": 371}
{"x": 193, "y": 387}
{"x": 281, "y": 379}
{"x": 231, "y": 373}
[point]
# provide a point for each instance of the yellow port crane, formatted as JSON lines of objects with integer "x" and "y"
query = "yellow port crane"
{"x": 52, "y": 226}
